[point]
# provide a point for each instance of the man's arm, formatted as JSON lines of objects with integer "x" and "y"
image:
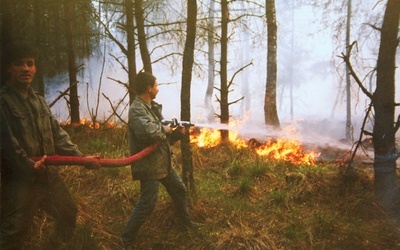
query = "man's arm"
{"x": 10, "y": 147}
{"x": 62, "y": 141}
{"x": 64, "y": 146}
{"x": 145, "y": 127}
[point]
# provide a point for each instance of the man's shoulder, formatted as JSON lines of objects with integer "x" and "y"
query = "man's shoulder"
{"x": 4, "y": 89}
{"x": 138, "y": 103}
{"x": 135, "y": 103}
{"x": 6, "y": 93}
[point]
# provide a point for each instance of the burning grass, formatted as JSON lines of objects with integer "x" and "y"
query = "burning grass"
{"x": 244, "y": 200}
{"x": 280, "y": 149}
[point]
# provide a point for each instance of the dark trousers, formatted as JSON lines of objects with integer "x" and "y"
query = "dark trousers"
{"x": 20, "y": 201}
{"x": 148, "y": 198}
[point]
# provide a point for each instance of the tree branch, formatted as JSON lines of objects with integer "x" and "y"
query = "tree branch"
{"x": 346, "y": 59}
{"x": 238, "y": 100}
{"x": 374, "y": 27}
{"x": 166, "y": 56}
{"x": 218, "y": 100}
{"x": 397, "y": 124}
{"x": 62, "y": 94}
{"x": 237, "y": 72}
{"x": 110, "y": 35}
{"x": 350, "y": 166}
{"x": 121, "y": 83}
{"x": 120, "y": 63}
{"x": 115, "y": 111}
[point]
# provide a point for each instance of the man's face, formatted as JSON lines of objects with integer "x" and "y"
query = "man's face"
{"x": 23, "y": 70}
{"x": 153, "y": 91}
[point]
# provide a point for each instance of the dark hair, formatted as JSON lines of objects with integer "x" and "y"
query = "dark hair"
{"x": 143, "y": 80}
{"x": 19, "y": 50}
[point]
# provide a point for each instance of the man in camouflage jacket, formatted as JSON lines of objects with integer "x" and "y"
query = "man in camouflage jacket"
{"x": 29, "y": 130}
{"x": 145, "y": 128}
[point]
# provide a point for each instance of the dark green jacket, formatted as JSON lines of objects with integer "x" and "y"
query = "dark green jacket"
{"x": 145, "y": 128}
{"x": 28, "y": 129}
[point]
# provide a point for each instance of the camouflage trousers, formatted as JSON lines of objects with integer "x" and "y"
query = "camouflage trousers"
{"x": 21, "y": 200}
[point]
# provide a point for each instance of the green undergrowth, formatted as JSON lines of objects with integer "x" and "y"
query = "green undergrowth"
{"x": 242, "y": 200}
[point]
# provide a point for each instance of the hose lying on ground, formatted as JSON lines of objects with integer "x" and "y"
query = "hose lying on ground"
{"x": 57, "y": 160}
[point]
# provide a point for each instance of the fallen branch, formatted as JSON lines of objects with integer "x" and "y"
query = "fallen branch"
{"x": 114, "y": 110}
{"x": 62, "y": 94}
{"x": 103, "y": 162}
{"x": 346, "y": 59}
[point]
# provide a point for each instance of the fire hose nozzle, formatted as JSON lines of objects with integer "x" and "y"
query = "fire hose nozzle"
{"x": 175, "y": 123}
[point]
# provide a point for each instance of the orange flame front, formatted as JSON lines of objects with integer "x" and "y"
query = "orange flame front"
{"x": 289, "y": 150}
{"x": 94, "y": 125}
{"x": 90, "y": 124}
{"x": 207, "y": 138}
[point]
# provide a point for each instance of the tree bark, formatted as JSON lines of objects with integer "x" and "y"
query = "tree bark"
{"x": 386, "y": 183}
{"x": 39, "y": 81}
{"x": 131, "y": 50}
{"x": 72, "y": 69}
{"x": 187, "y": 66}
{"x": 6, "y": 31}
{"x": 348, "y": 82}
{"x": 211, "y": 63}
{"x": 270, "y": 110}
{"x": 144, "y": 51}
{"x": 224, "y": 116}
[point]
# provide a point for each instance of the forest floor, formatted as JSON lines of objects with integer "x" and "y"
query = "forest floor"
{"x": 243, "y": 201}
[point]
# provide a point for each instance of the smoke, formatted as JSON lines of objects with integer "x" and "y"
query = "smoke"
{"x": 310, "y": 90}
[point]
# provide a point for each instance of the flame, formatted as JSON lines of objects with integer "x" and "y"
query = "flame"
{"x": 289, "y": 150}
{"x": 83, "y": 121}
{"x": 207, "y": 138}
{"x": 66, "y": 122}
{"x": 88, "y": 122}
{"x": 111, "y": 124}
{"x": 235, "y": 140}
{"x": 94, "y": 125}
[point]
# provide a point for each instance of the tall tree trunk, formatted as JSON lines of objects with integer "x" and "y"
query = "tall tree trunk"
{"x": 187, "y": 67}
{"x": 292, "y": 56}
{"x": 348, "y": 90}
{"x": 386, "y": 183}
{"x": 59, "y": 47}
{"x": 144, "y": 51}
{"x": 131, "y": 56}
{"x": 6, "y": 31}
{"x": 224, "y": 72}
{"x": 211, "y": 63}
{"x": 270, "y": 110}
{"x": 73, "y": 92}
{"x": 39, "y": 81}
{"x": 245, "y": 86}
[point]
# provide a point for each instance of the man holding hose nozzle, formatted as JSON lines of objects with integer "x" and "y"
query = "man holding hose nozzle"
{"x": 27, "y": 129}
{"x": 146, "y": 128}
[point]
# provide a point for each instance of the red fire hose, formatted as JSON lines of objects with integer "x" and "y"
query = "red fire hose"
{"x": 57, "y": 160}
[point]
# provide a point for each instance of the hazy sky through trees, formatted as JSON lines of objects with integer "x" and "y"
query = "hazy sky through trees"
{"x": 317, "y": 71}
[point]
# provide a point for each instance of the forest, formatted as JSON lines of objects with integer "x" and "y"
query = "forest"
{"x": 317, "y": 76}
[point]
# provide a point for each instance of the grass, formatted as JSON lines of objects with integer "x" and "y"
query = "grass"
{"x": 243, "y": 201}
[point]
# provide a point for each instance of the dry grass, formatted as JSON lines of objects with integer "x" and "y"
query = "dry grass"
{"x": 243, "y": 201}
